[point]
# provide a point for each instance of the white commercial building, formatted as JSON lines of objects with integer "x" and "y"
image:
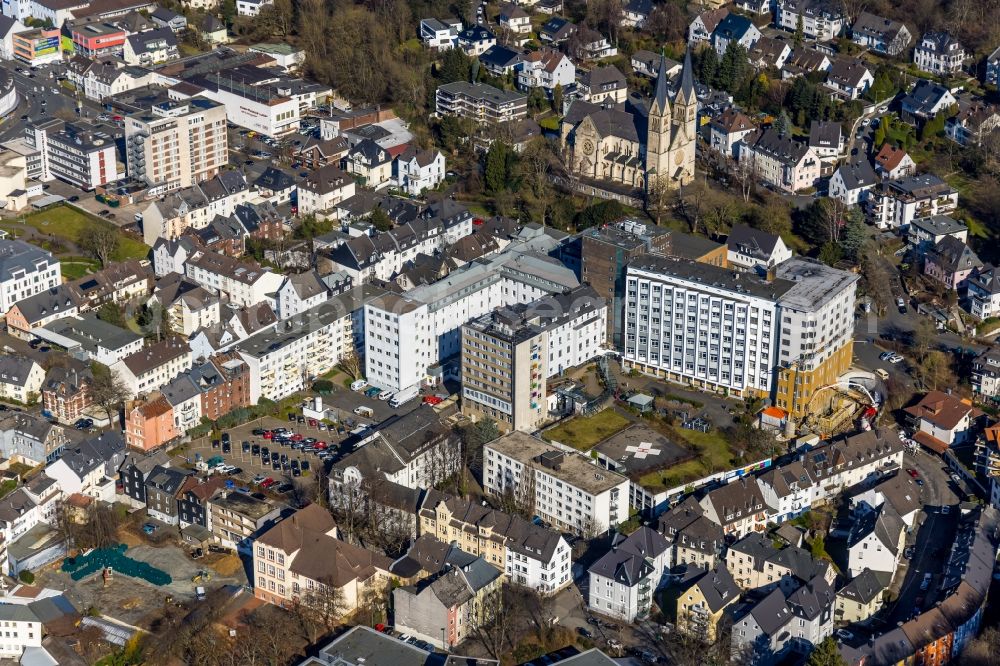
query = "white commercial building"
{"x": 407, "y": 334}
{"x": 737, "y": 333}
{"x": 265, "y": 109}
{"x": 566, "y": 489}
{"x": 77, "y": 154}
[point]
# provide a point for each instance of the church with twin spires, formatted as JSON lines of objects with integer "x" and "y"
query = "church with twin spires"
{"x": 633, "y": 144}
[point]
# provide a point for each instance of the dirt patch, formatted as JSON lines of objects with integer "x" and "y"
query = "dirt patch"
{"x": 225, "y": 565}
{"x": 129, "y": 537}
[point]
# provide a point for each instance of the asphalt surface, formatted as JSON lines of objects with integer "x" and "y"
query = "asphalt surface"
{"x": 38, "y": 96}
{"x": 931, "y": 540}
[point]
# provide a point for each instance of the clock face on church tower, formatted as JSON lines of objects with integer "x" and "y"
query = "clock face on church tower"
{"x": 588, "y": 147}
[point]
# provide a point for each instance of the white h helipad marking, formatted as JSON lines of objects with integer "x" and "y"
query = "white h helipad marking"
{"x": 644, "y": 449}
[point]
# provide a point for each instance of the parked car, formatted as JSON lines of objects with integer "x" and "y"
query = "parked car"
{"x": 912, "y": 472}
{"x": 901, "y": 304}
{"x": 358, "y": 384}
{"x": 149, "y": 528}
{"x": 432, "y": 400}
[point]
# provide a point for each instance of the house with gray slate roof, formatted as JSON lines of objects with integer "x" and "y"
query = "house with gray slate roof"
{"x": 21, "y": 378}
{"x": 446, "y": 607}
{"x": 624, "y": 580}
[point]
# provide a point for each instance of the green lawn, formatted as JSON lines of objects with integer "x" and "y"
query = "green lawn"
{"x": 74, "y": 268}
{"x": 713, "y": 455}
{"x": 584, "y": 432}
{"x": 68, "y": 223}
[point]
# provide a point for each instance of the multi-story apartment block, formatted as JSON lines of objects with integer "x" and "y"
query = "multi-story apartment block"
{"x": 415, "y": 450}
{"x": 564, "y": 489}
{"x": 284, "y": 359}
{"x": 23, "y": 630}
{"x": 90, "y": 467}
{"x": 705, "y": 594}
{"x": 235, "y": 517}
{"x": 510, "y": 353}
{"x": 75, "y": 153}
{"x": 405, "y": 335}
{"x": 725, "y": 331}
{"x": 134, "y": 472}
{"x": 162, "y": 487}
{"x": 21, "y": 379}
{"x": 150, "y": 47}
{"x": 25, "y": 270}
{"x": 415, "y": 171}
{"x": 31, "y": 439}
{"x": 150, "y": 368}
{"x": 192, "y": 500}
{"x": 939, "y": 53}
{"x": 176, "y": 144}
{"x": 896, "y": 203}
{"x": 480, "y": 102}
{"x": 529, "y": 555}
{"x": 66, "y": 393}
{"x": 244, "y": 283}
{"x": 821, "y": 20}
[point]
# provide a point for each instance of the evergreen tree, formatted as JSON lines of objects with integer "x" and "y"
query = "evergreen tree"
{"x": 854, "y": 235}
{"x": 708, "y": 66}
{"x": 557, "y": 99}
{"x": 455, "y": 66}
{"x": 826, "y": 654}
{"x": 880, "y": 132}
{"x": 498, "y": 162}
{"x": 800, "y": 32}
{"x": 783, "y": 124}
{"x": 733, "y": 67}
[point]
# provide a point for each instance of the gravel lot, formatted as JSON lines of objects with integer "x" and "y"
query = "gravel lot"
{"x": 133, "y": 600}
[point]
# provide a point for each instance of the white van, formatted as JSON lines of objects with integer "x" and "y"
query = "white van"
{"x": 882, "y": 374}
{"x": 358, "y": 384}
{"x": 404, "y": 396}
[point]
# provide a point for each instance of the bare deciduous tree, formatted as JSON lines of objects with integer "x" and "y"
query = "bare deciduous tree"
{"x": 100, "y": 241}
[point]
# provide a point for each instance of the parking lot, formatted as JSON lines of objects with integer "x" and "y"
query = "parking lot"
{"x": 245, "y": 450}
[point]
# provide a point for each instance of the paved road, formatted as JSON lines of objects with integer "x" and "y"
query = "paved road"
{"x": 930, "y": 540}
{"x": 38, "y": 96}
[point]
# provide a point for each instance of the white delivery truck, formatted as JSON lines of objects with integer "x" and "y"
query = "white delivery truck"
{"x": 404, "y": 396}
